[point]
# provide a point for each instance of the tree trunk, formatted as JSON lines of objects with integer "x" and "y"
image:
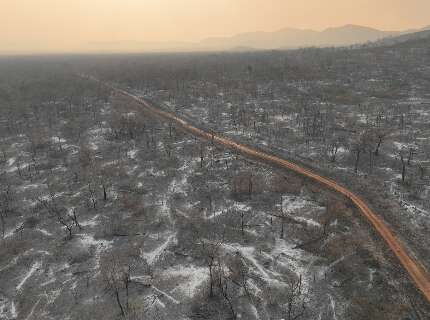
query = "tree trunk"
{"x": 211, "y": 281}
{"x": 69, "y": 229}
{"x": 282, "y": 229}
{"x": 242, "y": 224}
{"x": 333, "y": 157}
{"x": 3, "y": 224}
{"x": 378, "y": 146}
{"x": 357, "y": 160}
{"x": 119, "y": 303}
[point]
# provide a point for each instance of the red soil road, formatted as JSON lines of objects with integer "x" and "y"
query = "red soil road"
{"x": 415, "y": 269}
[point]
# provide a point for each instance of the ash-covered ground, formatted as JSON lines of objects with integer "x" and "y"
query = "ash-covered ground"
{"x": 108, "y": 213}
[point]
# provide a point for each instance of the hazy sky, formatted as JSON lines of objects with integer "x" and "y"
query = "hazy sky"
{"x": 69, "y": 25}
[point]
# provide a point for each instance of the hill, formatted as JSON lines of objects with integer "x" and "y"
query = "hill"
{"x": 294, "y": 38}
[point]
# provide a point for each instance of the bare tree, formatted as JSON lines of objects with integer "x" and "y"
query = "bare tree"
{"x": 67, "y": 223}
{"x": 406, "y": 156}
{"x": 358, "y": 147}
{"x": 210, "y": 252}
{"x": 223, "y": 283}
{"x": 239, "y": 272}
{"x": 380, "y": 135}
{"x": 333, "y": 146}
{"x": 116, "y": 269}
{"x": 297, "y": 300}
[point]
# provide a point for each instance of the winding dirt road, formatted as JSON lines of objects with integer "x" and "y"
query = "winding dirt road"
{"x": 415, "y": 269}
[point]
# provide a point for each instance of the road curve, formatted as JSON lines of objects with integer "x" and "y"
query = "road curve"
{"x": 414, "y": 268}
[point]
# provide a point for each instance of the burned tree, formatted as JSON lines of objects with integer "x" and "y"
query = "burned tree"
{"x": 406, "y": 156}
{"x": 210, "y": 253}
{"x": 116, "y": 269}
{"x": 296, "y": 300}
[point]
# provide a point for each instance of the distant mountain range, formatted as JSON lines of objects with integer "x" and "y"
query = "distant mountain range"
{"x": 288, "y": 38}
{"x": 295, "y": 38}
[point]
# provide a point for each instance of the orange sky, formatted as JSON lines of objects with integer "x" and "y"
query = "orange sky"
{"x": 69, "y": 25}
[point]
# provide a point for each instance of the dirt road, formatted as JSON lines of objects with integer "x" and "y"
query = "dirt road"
{"x": 415, "y": 269}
